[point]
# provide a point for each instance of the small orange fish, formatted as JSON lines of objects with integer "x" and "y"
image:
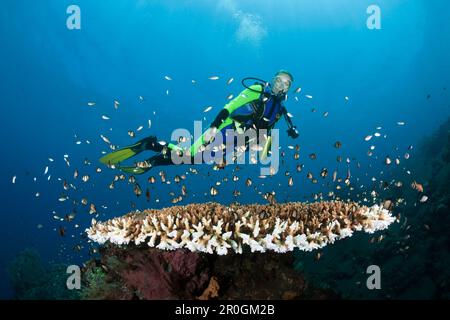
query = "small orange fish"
{"x": 417, "y": 186}
{"x": 213, "y": 191}
{"x": 92, "y": 209}
{"x": 137, "y": 190}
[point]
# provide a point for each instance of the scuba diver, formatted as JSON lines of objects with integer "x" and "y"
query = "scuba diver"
{"x": 259, "y": 106}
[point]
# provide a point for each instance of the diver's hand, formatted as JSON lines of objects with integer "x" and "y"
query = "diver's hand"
{"x": 293, "y": 133}
{"x": 209, "y": 135}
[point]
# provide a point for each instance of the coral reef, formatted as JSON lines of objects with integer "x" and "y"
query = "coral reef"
{"x": 211, "y": 251}
{"x": 145, "y": 273}
{"x": 214, "y": 228}
{"x": 32, "y": 280}
{"x": 148, "y": 273}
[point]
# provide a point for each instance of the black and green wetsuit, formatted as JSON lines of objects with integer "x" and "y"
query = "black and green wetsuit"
{"x": 254, "y": 107}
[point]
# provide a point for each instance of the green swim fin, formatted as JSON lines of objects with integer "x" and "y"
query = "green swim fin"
{"x": 263, "y": 154}
{"x": 118, "y": 156}
{"x": 133, "y": 170}
{"x": 128, "y": 152}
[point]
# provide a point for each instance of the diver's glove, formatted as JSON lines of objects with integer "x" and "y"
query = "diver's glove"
{"x": 293, "y": 133}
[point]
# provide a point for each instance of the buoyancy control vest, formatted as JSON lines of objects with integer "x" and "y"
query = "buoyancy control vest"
{"x": 263, "y": 112}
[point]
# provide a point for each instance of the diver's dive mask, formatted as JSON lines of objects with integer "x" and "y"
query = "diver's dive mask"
{"x": 281, "y": 84}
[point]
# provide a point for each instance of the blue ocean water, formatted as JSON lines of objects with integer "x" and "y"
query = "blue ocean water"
{"x": 124, "y": 49}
